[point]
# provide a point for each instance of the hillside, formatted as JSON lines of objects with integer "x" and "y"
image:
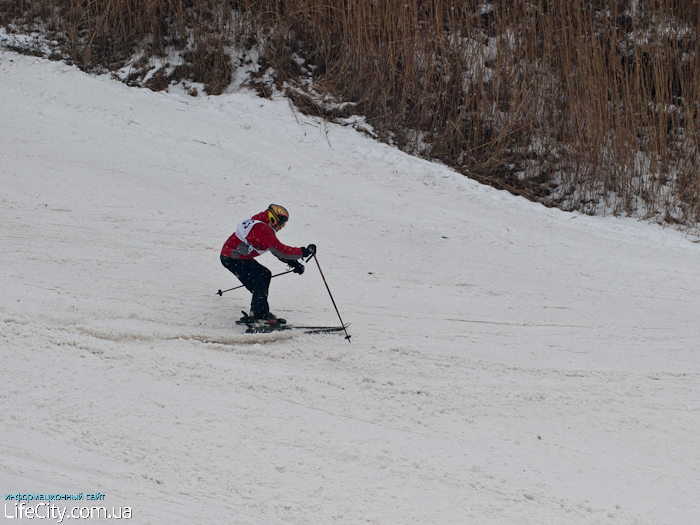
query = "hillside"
{"x": 583, "y": 106}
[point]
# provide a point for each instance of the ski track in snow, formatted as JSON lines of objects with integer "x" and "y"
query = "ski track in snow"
{"x": 509, "y": 363}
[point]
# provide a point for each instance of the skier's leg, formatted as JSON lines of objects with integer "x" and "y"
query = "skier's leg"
{"x": 256, "y": 278}
{"x": 259, "y": 307}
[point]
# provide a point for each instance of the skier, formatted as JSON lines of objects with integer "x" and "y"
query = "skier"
{"x": 254, "y": 237}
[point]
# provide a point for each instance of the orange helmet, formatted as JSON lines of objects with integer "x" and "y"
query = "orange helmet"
{"x": 277, "y": 215}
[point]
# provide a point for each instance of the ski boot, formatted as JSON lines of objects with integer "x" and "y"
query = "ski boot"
{"x": 269, "y": 320}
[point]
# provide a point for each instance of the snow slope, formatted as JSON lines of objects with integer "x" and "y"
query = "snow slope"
{"x": 509, "y": 363}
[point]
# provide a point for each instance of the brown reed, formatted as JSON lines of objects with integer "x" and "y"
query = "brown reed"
{"x": 589, "y": 106}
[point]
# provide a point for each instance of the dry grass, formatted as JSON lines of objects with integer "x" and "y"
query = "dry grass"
{"x": 583, "y": 105}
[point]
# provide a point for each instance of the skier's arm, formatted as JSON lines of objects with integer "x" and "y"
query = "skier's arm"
{"x": 263, "y": 237}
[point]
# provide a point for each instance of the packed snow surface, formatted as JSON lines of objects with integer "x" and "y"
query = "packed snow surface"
{"x": 509, "y": 363}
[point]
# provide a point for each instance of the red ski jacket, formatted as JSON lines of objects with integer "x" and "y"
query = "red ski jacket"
{"x": 254, "y": 237}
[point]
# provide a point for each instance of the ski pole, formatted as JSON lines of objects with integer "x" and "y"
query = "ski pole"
{"x": 347, "y": 336}
{"x": 222, "y": 292}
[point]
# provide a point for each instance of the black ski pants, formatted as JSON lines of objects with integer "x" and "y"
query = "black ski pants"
{"x": 256, "y": 278}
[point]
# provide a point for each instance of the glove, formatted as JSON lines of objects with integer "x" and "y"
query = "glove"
{"x": 309, "y": 250}
{"x": 296, "y": 266}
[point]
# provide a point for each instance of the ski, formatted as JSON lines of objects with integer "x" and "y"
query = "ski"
{"x": 256, "y": 329}
{"x": 333, "y": 328}
{"x": 320, "y": 329}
